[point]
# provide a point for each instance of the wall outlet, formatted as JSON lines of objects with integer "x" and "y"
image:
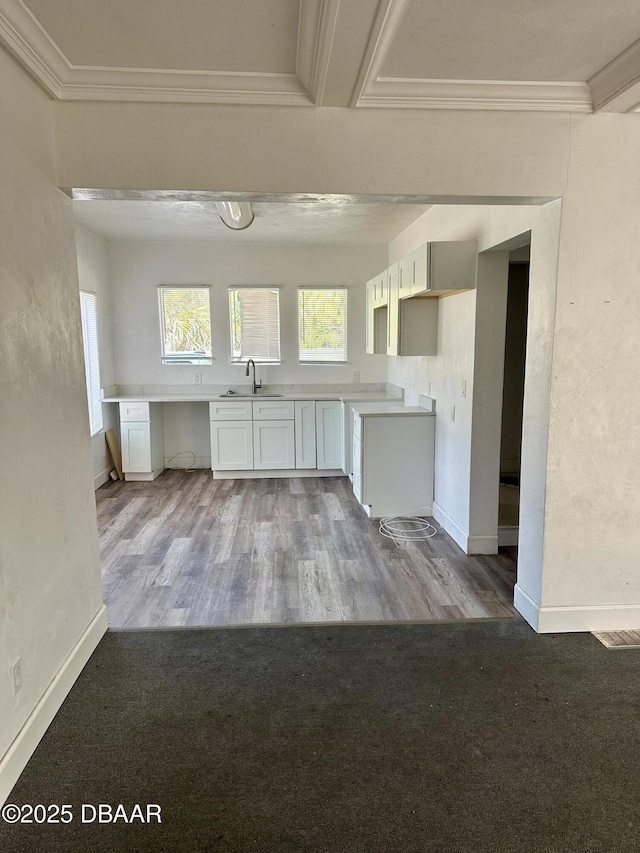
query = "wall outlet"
{"x": 356, "y": 376}
{"x": 16, "y": 676}
{"x": 198, "y": 378}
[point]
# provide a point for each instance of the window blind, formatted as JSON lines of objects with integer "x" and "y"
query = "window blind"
{"x": 322, "y": 325}
{"x": 185, "y": 324}
{"x": 255, "y": 324}
{"x": 91, "y": 359}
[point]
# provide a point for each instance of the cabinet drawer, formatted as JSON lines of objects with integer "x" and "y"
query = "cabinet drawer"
{"x": 273, "y": 410}
{"x": 136, "y": 410}
{"x": 238, "y": 410}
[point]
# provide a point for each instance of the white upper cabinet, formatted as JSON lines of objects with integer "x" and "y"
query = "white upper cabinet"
{"x": 406, "y": 276}
{"x": 393, "y": 312}
{"x": 380, "y": 290}
{"x": 409, "y": 326}
{"x": 449, "y": 266}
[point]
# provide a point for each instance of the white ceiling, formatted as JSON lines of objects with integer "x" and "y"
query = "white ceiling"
{"x": 567, "y": 55}
{"x": 198, "y": 35}
{"x": 566, "y": 40}
{"x": 303, "y": 222}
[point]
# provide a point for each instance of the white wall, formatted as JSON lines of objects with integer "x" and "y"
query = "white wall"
{"x": 592, "y": 529}
{"x": 464, "y": 456}
{"x": 137, "y": 268}
{"x": 93, "y": 275}
{"x": 49, "y": 571}
{"x": 330, "y": 150}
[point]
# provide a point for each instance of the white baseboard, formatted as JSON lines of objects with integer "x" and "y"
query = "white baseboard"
{"x": 445, "y": 521}
{"x": 526, "y": 606}
{"x": 277, "y": 474}
{"x": 142, "y": 478}
{"x": 16, "y": 757}
{"x": 101, "y": 478}
{"x": 469, "y": 543}
{"x": 552, "y": 620}
{"x": 482, "y": 544}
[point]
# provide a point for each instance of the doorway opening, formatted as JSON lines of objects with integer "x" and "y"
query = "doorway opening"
{"x": 513, "y": 396}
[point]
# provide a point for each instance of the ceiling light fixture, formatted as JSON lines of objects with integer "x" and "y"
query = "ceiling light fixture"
{"x": 237, "y": 215}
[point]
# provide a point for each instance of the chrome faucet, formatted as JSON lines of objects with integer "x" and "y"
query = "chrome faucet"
{"x": 255, "y": 385}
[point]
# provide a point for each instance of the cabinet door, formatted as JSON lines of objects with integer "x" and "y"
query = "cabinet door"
{"x": 370, "y": 319}
{"x": 405, "y": 277}
{"x": 274, "y": 445}
{"x": 421, "y": 282}
{"x": 231, "y": 446}
{"x": 329, "y": 434}
{"x": 393, "y": 313}
{"x": 381, "y": 290}
{"x": 305, "y": 427}
{"x": 135, "y": 440}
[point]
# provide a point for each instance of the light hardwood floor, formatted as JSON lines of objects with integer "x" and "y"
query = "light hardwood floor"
{"x": 190, "y": 550}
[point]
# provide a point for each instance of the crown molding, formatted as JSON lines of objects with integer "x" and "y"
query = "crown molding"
{"x": 22, "y": 34}
{"x": 134, "y": 84}
{"x": 616, "y": 88}
{"x": 476, "y": 95}
{"x": 384, "y": 29}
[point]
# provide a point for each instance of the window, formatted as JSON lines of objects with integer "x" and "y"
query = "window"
{"x": 185, "y": 324}
{"x": 91, "y": 360}
{"x": 255, "y": 324}
{"x": 322, "y": 325}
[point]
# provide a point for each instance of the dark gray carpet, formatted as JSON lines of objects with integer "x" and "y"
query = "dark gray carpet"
{"x": 458, "y": 737}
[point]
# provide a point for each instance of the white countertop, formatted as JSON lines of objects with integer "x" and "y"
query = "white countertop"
{"x": 344, "y": 396}
{"x": 366, "y": 411}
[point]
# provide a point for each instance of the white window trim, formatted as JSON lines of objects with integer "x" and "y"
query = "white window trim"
{"x": 91, "y": 349}
{"x": 207, "y": 359}
{"x": 305, "y": 363}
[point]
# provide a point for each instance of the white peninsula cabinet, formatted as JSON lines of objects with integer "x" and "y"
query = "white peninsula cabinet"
{"x": 141, "y": 440}
{"x": 393, "y": 459}
{"x": 275, "y": 438}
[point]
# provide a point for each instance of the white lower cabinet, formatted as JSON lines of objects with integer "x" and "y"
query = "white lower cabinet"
{"x": 142, "y": 440}
{"x": 135, "y": 437}
{"x": 305, "y": 429}
{"x": 393, "y": 460}
{"x": 277, "y": 435}
{"x": 232, "y": 445}
{"x": 329, "y": 434}
{"x": 274, "y": 445}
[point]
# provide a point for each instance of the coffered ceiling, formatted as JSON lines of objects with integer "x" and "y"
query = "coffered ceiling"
{"x": 576, "y": 55}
